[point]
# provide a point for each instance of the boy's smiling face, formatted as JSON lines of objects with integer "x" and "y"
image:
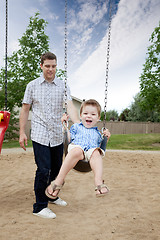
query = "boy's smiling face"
{"x": 89, "y": 116}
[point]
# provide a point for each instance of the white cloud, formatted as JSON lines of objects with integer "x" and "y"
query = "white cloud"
{"x": 131, "y": 29}
{"x": 52, "y": 16}
{"x": 43, "y": 2}
{"x": 31, "y": 11}
{"x": 82, "y": 23}
{"x": 46, "y": 9}
{"x": 91, "y": 12}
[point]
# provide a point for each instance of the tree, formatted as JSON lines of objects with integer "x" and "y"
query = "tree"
{"x": 23, "y": 66}
{"x": 150, "y": 78}
{"x": 124, "y": 115}
{"x": 138, "y": 114}
{"x": 111, "y": 115}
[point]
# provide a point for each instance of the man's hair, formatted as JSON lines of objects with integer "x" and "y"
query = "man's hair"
{"x": 91, "y": 102}
{"x": 48, "y": 55}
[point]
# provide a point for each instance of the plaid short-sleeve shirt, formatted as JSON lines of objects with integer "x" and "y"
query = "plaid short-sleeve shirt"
{"x": 46, "y": 100}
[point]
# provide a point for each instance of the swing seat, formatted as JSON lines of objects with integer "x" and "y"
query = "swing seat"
{"x": 83, "y": 165}
{"x": 4, "y": 122}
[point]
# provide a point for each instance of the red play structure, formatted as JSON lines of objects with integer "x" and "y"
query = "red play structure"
{"x": 4, "y": 121}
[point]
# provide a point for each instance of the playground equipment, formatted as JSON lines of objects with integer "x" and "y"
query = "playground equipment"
{"x": 83, "y": 165}
{"x": 4, "y": 122}
{"x": 4, "y": 115}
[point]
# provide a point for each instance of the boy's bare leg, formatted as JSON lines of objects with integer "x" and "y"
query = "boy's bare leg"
{"x": 96, "y": 163}
{"x": 69, "y": 162}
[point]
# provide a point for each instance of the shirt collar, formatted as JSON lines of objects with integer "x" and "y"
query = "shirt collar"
{"x": 41, "y": 80}
{"x": 90, "y": 128}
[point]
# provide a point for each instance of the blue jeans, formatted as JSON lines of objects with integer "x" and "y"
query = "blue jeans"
{"x": 48, "y": 160}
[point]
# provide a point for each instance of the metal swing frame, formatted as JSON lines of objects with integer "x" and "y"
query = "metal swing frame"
{"x": 5, "y": 115}
{"x": 83, "y": 165}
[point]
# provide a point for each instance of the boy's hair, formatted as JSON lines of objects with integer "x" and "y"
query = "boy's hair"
{"x": 48, "y": 55}
{"x": 91, "y": 102}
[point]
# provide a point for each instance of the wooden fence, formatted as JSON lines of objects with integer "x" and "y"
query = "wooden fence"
{"x": 131, "y": 127}
{"x": 120, "y": 127}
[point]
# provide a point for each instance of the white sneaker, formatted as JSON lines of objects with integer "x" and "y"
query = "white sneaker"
{"x": 59, "y": 202}
{"x": 45, "y": 213}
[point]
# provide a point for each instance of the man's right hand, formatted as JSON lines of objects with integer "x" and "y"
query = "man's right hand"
{"x": 64, "y": 118}
{"x": 23, "y": 141}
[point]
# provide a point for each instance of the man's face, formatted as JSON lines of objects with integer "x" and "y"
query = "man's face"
{"x": 49, "y": 69}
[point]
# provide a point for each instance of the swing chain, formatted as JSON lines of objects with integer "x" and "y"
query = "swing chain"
{"x": 107, "y": 65}
{"x": 6, "y": 55}
{"x": 65, "y": 57}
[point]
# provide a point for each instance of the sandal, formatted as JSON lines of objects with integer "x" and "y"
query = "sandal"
{"x": 54, "y": 188}
{"x": 99, "y": 187}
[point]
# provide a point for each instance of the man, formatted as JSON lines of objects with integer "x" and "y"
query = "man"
{"x": 46, "y": 96}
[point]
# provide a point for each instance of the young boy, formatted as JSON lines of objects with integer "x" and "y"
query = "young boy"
{"x": 85, "y": 140}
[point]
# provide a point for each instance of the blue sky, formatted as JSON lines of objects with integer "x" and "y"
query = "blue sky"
{"x": 132, "y": 24}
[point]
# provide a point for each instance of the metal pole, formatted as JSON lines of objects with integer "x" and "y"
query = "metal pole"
{"x": 6, "y": 47}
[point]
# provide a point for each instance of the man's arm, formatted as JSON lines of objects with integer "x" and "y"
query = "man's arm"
{"x": 22, "y": 125}
{"x": 72, "y": 112}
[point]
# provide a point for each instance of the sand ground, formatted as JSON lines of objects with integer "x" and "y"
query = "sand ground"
{"x": 131, "y": 210}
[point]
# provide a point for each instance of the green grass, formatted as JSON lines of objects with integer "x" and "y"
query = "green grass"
{"x": 135, "y": 142}
{"x": 14, "y": 144}
{"x": 127, "y": 141}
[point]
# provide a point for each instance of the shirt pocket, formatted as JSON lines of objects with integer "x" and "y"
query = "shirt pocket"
{"x": 38, "y": 96}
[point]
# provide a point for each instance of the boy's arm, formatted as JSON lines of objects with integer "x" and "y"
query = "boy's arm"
{"x": 68, "y": 135}
{"x": 107, "y": 133}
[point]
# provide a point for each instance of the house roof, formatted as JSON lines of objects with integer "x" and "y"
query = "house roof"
{"x": 77, "y": 99}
